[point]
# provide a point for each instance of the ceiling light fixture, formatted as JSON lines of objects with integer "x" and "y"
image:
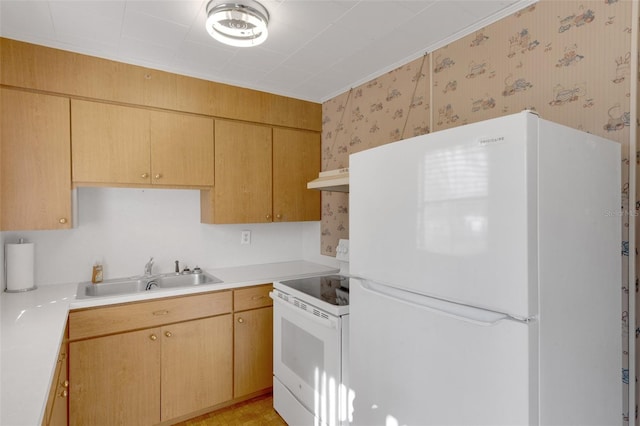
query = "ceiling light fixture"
{"x": 240, "y": 24}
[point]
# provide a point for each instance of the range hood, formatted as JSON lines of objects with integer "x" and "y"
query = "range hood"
{"x": 331, "y": 180}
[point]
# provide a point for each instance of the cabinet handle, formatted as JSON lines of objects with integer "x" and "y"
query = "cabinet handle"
{"x": 161, "y": 312}
{"x": 258, "y": 297}
{"x": 268, "y": 216}
{"x": 168, "y": 333}
{"x": 278, "y": 216}
{"x": 144, "y": 175}
{"x": 153, "y": 337}
{"x": 65, "y": 384}
{"x": 62, "y": 220}
{"x": 158, "y": 176}
{"x": 240, "y": 320}
{"x": 64, "y": 393}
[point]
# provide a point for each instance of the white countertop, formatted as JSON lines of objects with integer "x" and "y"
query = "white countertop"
{"x": 33, "y": 326}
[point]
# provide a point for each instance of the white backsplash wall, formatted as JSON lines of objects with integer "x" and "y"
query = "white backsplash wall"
{"x": 123, "y": 228}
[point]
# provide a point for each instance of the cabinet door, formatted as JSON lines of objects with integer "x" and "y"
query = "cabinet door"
{"x": 115, "y": 380}
{"x": 242, "y": 173}
{"x": 197, "y": 365}
{"x": 110, "y": 143}
{"x": 35, "y": 161}
{"x": 56, "y": 411}
{"x": 296, "y": 161}
{"x": 181, "y": 149}
{"x": 60, "y": 409}
{"x": 253, "y": 351}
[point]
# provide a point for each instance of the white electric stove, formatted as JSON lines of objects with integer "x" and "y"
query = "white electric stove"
{"x": 311, "y": 337}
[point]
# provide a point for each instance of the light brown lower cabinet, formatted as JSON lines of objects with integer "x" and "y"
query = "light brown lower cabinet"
{"x": 150, "y": 362}
{"x": 253, "y": 351}
{"x": 252, "y": 340}
{"x": 56, "y": 411}
{"x": 164, "y": 360}
{"x": 115, "y": 380}
{"x": 197, "y": 365}
{"x": 152, "y": 375}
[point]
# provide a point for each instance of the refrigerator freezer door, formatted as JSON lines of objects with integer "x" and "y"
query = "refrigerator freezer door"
{"x": 454, "y": 206}
{"x": 447, "y": 371}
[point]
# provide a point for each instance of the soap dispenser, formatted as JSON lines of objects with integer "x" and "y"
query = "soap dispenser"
{"x": 96, "y": 276}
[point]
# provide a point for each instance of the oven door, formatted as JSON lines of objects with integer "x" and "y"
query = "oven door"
{"x": 306, "y": 358}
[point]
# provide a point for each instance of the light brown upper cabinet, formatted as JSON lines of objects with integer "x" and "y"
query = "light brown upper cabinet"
{"x": 296, "y": 161}
{"x": 53, "y": 70}
{"x": 128, "y": 146}
{"x": 261, "y": 175}
{"x": 181, "y": 149}
{"x": 242, "y": 173}
{"x": 35, "y": 161}
{"x": 111, "y": 144}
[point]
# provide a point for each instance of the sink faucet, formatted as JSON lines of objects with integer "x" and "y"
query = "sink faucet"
{"x": 147, "y": 267}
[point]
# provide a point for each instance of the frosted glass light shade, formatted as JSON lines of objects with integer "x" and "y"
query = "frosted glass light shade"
{"x": 237, "y": 24}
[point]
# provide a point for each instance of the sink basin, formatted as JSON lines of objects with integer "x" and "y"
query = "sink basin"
{"x": 120, "y": 286}
{"x": 185, "y": 280}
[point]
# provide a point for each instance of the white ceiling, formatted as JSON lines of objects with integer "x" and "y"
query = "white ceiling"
{"x": 316, "y": 49}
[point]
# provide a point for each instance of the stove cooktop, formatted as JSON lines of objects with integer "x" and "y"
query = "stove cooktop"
{"x": 331, "y": 289}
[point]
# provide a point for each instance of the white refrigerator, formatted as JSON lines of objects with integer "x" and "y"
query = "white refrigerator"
{"x": 486, "y": 277}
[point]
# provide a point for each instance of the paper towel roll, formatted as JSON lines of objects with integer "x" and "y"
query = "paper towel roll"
{"x": 19, "y": 267}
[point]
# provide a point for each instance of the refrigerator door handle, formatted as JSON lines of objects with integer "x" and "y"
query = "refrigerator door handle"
{"x": 462, "y": 312}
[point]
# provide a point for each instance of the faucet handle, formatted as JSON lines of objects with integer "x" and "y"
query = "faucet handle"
{"x": 177, "y": 267}
{"x": 148, "y": 266}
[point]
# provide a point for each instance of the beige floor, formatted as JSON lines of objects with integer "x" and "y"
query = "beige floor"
{"x": 255, "y": 412}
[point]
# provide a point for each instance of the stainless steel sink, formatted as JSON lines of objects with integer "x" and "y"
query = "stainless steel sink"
{"x": 185, "y": 280}
{"x": 120, "y": 286}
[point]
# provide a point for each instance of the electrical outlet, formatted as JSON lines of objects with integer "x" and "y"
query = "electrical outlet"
{"x": 245, "y": 237}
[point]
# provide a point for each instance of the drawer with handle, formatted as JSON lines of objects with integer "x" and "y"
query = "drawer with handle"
{"x": 99, "y": 321}
{"x": 252, "y": 297}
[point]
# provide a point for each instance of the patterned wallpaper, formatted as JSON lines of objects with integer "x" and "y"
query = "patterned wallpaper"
{"x": 389, "y": 108}
{"x": 568, "y": 60}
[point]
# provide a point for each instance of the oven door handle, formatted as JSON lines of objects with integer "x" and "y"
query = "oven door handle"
{"x": 326, "y": 322}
